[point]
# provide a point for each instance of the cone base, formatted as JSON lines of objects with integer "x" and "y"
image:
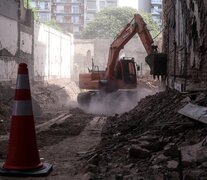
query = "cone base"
{"x": 43, "y": 171}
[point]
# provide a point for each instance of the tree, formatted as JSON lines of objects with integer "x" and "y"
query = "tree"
{"x": 52, "y": 23}
{"x": 110, "y": 21}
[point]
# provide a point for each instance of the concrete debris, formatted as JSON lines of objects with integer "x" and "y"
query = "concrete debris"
{"x": 196, "y": 112}
{"x": 137, "y": 152}
{"x": 146, "y": 141}
{"x": 140, "y": 144}
{"x": 172, "y": 165}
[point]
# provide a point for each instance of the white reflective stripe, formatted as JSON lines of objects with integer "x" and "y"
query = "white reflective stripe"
{"x": 22, "y": 108}
{"x": 22, "y": 81}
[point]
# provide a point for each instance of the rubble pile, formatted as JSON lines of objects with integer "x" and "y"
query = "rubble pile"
{"x": 151, "y": 142}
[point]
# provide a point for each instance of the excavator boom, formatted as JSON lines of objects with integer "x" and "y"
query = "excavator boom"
{"x": 136, "y": 26}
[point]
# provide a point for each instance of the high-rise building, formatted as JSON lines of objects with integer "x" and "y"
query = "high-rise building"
{"x": 43, "y": 9}
{"x": 156, "y": 11}
{"x": 144, "y": 5}
{"x": 68, "y": 14}
{"x": 94, "y": 6}
{"x": 154, "y": 7}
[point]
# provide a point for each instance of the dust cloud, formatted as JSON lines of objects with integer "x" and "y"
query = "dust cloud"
{"x": 118, "y": 102}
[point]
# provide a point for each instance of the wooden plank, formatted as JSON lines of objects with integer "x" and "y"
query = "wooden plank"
{"x": 196, "y": 112}
{"x": 44, "y": 126}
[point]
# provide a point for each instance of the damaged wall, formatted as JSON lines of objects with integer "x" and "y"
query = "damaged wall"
{"x": 47, "y": 52}
{"x": 185, "y": 41}
{"x": 16, "y": 36}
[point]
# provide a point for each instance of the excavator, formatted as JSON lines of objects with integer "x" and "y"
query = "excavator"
{"x": 121, "y": 74}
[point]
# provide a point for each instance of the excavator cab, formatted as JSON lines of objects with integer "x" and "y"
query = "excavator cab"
{"x": 126, "y": 71}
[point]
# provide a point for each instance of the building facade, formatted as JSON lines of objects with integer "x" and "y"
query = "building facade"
{"x": 154, "y": 7}
{"x": 94, "y": 6}
{"x": 156, "y": 11}
{"x": 68, "y": 14}
{"x": 71, "y": 15}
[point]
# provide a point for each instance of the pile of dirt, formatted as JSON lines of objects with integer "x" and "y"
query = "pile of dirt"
{"x": 48, "y": 100}
{"x": 151, "y": 142}
{"x": 6, "y": 96}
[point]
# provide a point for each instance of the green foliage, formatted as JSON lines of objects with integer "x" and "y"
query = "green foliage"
{"x": 27, "y": 3}
{"x": 110, "y": 21}
{"x": 52, "y": 23}
{"x": 34, "y": 10}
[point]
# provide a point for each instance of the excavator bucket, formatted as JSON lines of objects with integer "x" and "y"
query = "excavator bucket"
{"x": 158, "y": 64}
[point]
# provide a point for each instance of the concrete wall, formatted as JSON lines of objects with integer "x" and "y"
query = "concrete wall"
{"x": 9, "y": 9}
{"x": 47, "y": 52}
{"x": 185, "y": 41}
{"x": 8, "y": 34}
{"x": 8, "y": 39}
{"x": 53, "y": 53}
{"x": 99, "y": 49}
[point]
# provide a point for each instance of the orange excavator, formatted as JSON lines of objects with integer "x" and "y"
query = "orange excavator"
{"x": 120, "y": 74}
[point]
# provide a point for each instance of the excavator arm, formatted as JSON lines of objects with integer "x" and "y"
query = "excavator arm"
{"x": 137, "y": 25}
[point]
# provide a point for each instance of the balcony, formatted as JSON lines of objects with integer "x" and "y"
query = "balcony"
{"x": 66, "y": 13}
{"x": 43, "y": 10}
{"x": 66, "y": 2}
{"x": 156, "y": 2}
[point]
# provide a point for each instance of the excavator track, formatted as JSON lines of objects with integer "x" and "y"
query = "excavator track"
{"x": 110, "y": 99}
{"x": 85, "y": 98}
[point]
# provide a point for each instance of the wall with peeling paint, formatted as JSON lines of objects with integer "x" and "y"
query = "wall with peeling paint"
{"x": 185, "y": 41}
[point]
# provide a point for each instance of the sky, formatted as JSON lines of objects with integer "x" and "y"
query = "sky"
{"x": 130, "y": 3}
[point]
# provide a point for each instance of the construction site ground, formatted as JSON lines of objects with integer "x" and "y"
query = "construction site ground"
{"x": 143, "y": 142}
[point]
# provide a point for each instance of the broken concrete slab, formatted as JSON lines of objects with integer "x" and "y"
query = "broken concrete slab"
{"x": 172, "y": 165}
{"x": 196, "y": 112}
{"x": 137, "y": 152}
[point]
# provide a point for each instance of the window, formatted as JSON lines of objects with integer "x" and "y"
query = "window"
{"x": 75, "y": 9}
{"x": 90, "y": 16}
{"x": 44, "y": 17}
{"x": 91, "y": 5}
{"x": 155, "y": 10}
{"x": 63, "y": 1}
{"x": 156, "y": 1}
{"x": 75, "y": 19}
{"x": 76, "y": 29}
{"x": 60, "y": 8}
{"x": 102, "y": 4}
{"x": 33, "y": 4}
{"x": 111, "y": 3}
{"x": 41, "y": 5}
{"x": 59, "y": 19}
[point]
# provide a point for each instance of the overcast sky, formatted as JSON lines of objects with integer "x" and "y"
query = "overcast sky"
{"x": 130, "y": 3}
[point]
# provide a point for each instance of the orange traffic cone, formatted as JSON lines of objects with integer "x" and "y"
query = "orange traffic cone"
{"x": 23, "y": 156}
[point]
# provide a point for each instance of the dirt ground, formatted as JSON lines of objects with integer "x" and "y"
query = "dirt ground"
{"x": 148, "y": 141}
{"x": 63, "y": 131}
{"x": 153, "y": 142}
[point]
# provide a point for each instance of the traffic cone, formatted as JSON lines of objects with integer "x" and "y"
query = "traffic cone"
{"x": 23, "y": 156}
